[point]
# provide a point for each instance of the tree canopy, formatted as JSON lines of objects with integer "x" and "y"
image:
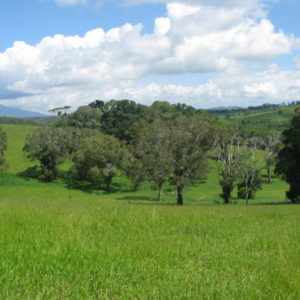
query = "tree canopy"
{"x": 288, "y": 164}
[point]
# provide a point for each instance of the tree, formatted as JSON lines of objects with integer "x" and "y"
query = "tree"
{"x": 191, "y": 140}
{"x": 86, "y": 117}
{"x": 119, "y": 117}
{"x": 3, "y": 147}
{"x": 250, "y": 168}
{"x": 62, "y": 113}
{"x": 102, "y": 155}
{"x": 152, "y": 148}
{"x": 47, "y": 145}
{"x": 272, "y": 144}
{"x": 288, "y": 164}
{"x": 229, "y": 159}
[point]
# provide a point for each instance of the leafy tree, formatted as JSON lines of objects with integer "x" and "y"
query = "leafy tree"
{"x": 288, "y": 164}
{"x": 250, "y": 167}
{"x": 135, "y": 171}
{"x": 86, "y": 117}
{"x": 191, "y": 140}
{"x": 100, "y": 155}
{"x": 229, "y": 159}
{"x": 119, "y": 117}
{"x": 62, "y": 113}
{"x": 3, "y": 147}
{"x": 47, "y": 145}
{"x": 272, "y": 144}
{"x": 152, "y": 150}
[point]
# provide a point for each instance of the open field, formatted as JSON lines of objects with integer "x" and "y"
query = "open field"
{"x": 63, "y": 243}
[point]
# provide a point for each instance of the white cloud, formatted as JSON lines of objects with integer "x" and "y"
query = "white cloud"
{"x": 189, "y": 39}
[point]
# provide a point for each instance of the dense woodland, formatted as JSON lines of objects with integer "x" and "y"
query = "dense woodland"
{"x": 162, "y": 143}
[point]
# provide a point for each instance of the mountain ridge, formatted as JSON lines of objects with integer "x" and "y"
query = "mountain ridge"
{"x": 14, "y": 112}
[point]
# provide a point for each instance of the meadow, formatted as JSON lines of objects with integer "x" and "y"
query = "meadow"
{"x": 59, "y": 242}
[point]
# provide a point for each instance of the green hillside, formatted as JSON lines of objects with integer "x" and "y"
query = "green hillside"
{"x": 59, "y": 242}
{"x": 260, "y": 123}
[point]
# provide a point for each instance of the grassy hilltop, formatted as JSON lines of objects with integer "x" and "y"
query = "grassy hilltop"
{"x": 58, "y": 242}
{"x": 260, "y": 123}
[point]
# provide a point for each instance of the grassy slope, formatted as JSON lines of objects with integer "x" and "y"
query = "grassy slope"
{"x": 262, "y": 122}
{"x": 60, "y": 243}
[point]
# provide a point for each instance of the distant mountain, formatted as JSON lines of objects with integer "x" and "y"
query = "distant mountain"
{"x": 14, "y": 112}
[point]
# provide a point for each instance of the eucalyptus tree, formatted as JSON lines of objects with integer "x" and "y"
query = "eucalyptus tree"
{"x": 250, "y": 167}
{"x": 152, "y": 151}
{"x": 228, "y": 162}
{"x": 48, "y": 146}
{"x": 191, "y": 140}
{"x": 101, "y": 155}
{"x": 272, "y": 145}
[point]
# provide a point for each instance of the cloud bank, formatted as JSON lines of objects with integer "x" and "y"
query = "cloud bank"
{"x": 190, "y": 39}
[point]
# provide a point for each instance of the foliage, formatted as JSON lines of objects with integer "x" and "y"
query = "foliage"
{"x": 86, "y": 117}
{"x": 45, "y": 121}
{"x": 289, "y": 158}
{"x": 250, "y": 167}
{"x": 152, "y": 152}
{"x": 3, "y": 147}
{"x": 48, "y": 146}
{"x": 272, "y": 145}
{"x": 119, "y": 117}
{"x": 190, "y": 140}
{"x": 99, "y": 156}
{"x": 229, "y": 161}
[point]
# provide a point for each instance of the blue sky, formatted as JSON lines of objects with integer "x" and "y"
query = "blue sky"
{"x": 204, "y": 53}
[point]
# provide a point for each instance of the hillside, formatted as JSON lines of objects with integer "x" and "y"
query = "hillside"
{"x": 260, "y": 123}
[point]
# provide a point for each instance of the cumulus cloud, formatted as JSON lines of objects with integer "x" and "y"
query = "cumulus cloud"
{"x": 190, "y": 39}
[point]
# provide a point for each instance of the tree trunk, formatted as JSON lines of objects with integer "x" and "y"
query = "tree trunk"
{"x": 269, "y": 175}
{"x": 108, "y": 181}
{"x": 160, "y": 190}
{"x": 180, "y": 189}
{"x": 226, "y": 195}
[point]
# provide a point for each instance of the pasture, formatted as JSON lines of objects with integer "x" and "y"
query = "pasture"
{"x": 59, "y": 242}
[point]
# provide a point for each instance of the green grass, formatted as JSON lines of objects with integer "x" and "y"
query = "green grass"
{"x": 62, "y": 243}
{"x": 261, "y": 123}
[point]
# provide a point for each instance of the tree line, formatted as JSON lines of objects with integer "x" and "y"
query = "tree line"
{"x": 163, "y": 143}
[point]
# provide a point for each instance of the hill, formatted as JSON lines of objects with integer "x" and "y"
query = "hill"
{"x": 259, "y": 123}
{"x": 15, "y": 112}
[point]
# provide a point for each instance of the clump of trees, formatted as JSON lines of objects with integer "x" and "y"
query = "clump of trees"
{"x": 239, "y": 166}
{"x": 176, "y": 151}
{"x": 162, "y": 144}
{"x": 3, "y": 147}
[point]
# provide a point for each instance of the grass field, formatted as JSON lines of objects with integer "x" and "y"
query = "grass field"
{"x": 261, "y": 123}
{"x": 63, "y": 243}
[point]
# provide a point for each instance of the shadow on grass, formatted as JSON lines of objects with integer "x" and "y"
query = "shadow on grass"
{"x": 136, "y": 198}
{"x": 275, "y": 203}
{"x": 154, "y": 203}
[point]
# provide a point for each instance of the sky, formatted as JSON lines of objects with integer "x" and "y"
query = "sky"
{"x": 204, "y": 53}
